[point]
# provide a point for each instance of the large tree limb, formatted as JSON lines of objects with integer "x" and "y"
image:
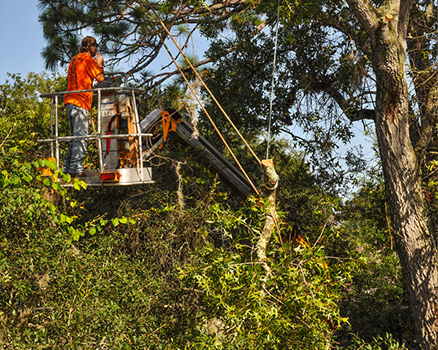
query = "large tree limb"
{"x": 351, "y": 113}
{"x": 404, "y": 14}
{"x": 366, "y": 14}
{"x": 425, "y": 80}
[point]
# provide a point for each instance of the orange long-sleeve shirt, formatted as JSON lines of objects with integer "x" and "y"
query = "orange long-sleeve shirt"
{"x": 81, "y": 72}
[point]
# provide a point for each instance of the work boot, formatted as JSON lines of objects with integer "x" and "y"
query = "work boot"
{"x": 75, "y": 175}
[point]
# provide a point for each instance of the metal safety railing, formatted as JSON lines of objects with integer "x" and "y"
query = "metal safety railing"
{"x": 55, "y": 138}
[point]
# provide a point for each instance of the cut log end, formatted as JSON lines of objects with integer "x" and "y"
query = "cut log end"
{"x": 267, "y": 162}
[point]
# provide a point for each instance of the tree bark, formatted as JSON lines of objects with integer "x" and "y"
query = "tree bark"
{"x": 415, "y": 245}
{"x": 387, "y": 27}
{"x": 270, "y": 179}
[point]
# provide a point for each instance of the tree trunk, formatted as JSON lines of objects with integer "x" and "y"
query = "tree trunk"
{"x": 415, "y": 245}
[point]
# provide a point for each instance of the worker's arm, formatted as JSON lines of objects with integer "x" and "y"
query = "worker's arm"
{"x": 99, "y": 61}
{"x": 100, "y": 77}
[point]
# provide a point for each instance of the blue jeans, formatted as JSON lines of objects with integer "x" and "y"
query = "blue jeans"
{"x": 78, "y": 119}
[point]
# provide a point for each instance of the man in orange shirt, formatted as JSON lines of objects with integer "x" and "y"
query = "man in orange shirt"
{"x": 82, "y": 70}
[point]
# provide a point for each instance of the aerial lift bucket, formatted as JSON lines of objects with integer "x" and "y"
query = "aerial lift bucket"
{"x": 119, "y": 139}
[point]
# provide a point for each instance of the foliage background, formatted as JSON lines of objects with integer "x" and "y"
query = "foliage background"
{"x": 126, "y": 268}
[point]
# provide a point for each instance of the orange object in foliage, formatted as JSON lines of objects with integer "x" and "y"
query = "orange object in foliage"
{"x": 294, "y": 237}
{"x": 45, "y": 171}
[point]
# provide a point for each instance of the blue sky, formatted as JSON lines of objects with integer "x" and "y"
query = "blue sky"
{"x": 21, "y": 38}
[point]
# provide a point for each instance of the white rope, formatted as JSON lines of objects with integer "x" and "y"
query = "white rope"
{"x": 268, "y": 141}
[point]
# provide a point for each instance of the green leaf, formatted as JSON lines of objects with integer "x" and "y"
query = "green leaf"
{"x": 27, "y": 178}
{"x": 115, "y": 222}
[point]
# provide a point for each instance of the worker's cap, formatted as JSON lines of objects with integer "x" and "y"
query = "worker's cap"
{"x": 88, "y": 41}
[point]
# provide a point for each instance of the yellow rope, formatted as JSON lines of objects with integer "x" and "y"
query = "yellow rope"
{"x": 199, "y": 77}
{"x": 200, "y": 103}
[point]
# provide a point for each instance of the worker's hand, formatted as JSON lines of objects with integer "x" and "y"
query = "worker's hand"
{"x": 99, "y": 60}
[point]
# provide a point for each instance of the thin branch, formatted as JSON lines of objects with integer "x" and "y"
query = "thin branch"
{"x": 6, "y": 138}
